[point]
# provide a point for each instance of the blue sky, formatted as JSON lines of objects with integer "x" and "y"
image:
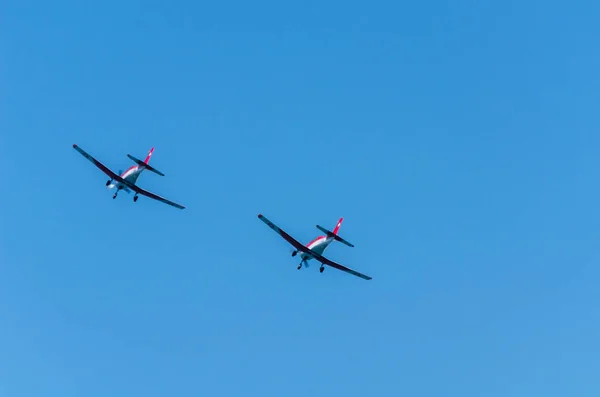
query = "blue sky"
{"x": 459, "y": 140}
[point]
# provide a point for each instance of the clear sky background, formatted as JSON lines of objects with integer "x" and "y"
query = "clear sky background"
{"x": 459, "y": 140}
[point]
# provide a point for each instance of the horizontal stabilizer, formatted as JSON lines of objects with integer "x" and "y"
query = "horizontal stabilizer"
{"x": 335, "y": 236}
{"x": 145, "y": 165}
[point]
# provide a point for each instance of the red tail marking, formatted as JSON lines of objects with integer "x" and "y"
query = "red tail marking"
{"x": 148, "y": 156}
{"x": 337, "y": 227}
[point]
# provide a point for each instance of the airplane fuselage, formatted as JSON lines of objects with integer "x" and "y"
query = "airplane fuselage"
{"x": 130, "y": 175}
{"x": 318, "y": 245}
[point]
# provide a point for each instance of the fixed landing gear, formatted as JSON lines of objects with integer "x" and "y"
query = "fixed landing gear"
{"x": 294, "y": 253}
{"x": 108, "y": 182}
{"x": 321, "y": 269}
{"x": 302, "y": 263}
{"x": 135, "y": 198}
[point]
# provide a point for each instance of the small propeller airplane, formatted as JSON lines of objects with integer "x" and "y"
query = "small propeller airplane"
{"x": 315, "y": 249}
{"x": 126, "y": 180}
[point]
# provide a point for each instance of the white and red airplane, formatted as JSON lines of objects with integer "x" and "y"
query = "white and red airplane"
{"x": 315, "y": 249}
{"x": 126, "y": 180}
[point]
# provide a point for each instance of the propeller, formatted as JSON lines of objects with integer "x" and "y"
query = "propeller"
{"x": 110, "y": 180}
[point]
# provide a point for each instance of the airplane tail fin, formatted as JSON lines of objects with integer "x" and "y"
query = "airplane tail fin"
{"x": 334, "y": 234}
{"x": 337, "y": 227}
{"x": 144, "y": 164}
{"x": 148, "y": 156}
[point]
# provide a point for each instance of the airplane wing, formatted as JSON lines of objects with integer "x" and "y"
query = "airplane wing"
{"x": 146, "y": 193}
{"x": 98, "y": 164}
{"x": 326, "y": 261}
{"x": 283, "y": 234}
{"x": 307, "y": 250}
{"x": 130, "y": 185}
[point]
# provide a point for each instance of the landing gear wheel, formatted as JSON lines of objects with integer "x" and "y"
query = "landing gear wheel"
{"x": 299, "y": 266}
{"x": 294, "y": 253}
{"x": 321, "y": 269}
{"x": 108, "y": 182}
{"x": 135, "y": 198}
{"x": 114, "y": 197}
